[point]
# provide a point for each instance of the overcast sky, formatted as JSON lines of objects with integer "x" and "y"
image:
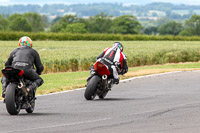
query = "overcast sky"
{"x": 8, "y": 2}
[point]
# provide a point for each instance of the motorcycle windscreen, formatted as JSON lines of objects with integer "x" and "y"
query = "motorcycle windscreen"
{"x": 101, "y": 69}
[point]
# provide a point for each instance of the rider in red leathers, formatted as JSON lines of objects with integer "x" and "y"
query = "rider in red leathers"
{"x": 115, "y": 60}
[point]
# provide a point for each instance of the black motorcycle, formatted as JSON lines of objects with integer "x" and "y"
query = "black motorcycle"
{"x": 17, "y": 96}
{"x": 99, "y": 83}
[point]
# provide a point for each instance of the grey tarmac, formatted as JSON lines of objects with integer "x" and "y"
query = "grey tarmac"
{"x": 166, "y": 103}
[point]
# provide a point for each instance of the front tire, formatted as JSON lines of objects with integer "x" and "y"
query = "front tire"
{"x": 91, "y": 88}
{"x": 103, "y": 95}
{"x": 12, "y": 106}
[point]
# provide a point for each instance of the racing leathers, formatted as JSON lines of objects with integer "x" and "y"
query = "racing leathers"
{"x": 25, "y": 58}
{"x": 115, "y": 60}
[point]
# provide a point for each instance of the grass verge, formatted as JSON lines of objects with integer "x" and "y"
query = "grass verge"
{"x": 56, "y": 82}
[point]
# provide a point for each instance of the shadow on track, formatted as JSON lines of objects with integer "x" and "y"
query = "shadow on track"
{"x": 38, "y": 114}
{"x": 115, "y": 99}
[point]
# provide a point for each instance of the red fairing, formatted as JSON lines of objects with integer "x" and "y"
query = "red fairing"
{"x": 121, "y": 59}
{"x": 21, "y": 73}
{"x": 101, "y": 69}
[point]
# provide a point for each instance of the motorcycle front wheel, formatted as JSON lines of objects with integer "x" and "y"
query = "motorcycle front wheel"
{"x": 103, "y": 95}
{"x": 32, "y": 107}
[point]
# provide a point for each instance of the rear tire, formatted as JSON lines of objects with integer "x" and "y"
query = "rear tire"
{"x": 12, "y": 106}
{"x": 91, "y": 88}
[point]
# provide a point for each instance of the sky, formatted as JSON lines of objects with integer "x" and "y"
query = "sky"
{"x": 138, "y": 2}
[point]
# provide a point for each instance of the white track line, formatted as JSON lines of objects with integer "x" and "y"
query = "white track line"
{"x": 152, "y": 75}
{"x": 60, "y": 125}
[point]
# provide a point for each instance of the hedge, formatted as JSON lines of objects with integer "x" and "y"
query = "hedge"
{"x": 8, "y": 36}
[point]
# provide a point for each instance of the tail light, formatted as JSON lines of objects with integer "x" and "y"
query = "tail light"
{"x": 21, "y": 73}
{"x": 3, "y": 74}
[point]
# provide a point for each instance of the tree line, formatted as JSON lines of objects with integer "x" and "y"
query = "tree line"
{"x": 100, "y": 23}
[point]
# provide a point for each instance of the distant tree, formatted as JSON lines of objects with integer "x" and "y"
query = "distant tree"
{"x": 36, "y": 22}
{"x": 192, "y": 26}
{"x": 3, "y": 23}
{"x": 126, "y": 24}
{"x": 75, "y": 28}
{"x": 63, "y": 22}
{"x": 151, "y": 31}
{"x": 170, "y": 28}
{"x": 101, "y": 23}
{"x": 55, "y": 20}
{"x": 18, "y": 22}
{"x": 162, "y": 21}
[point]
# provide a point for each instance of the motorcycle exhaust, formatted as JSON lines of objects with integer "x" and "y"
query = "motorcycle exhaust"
{"x": 104, "y": 77}
{"x": 21, "y": 86}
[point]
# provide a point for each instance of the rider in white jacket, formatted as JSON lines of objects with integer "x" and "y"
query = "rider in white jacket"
{"x": 113, "y": 57}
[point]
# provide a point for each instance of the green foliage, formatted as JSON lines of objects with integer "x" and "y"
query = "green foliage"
{"x": 170, "y": 28}
{"x": 3, "y": 23}
{"x": 101, "y": 23}
{"x": 35, "y": 20}
{"x": 63, "y": 22}
{"x": 151, "y": 30}
{"x": 75, "y": 28}
{"x": 192, "y": 26}
{"x": 126, "y": 24}
{"x": 18, "y": 22}
{"x": 105, "y": 37}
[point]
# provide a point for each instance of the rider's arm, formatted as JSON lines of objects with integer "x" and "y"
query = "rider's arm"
{"x": 124, "y": 64}
{"x": 10, "y": 59}
{"x": 102, "y": 54}
{"x": 38, "y": 64}
{"x": 125, "y": 67}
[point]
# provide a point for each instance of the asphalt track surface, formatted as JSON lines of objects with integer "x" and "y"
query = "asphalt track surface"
{"x": 163, "y": 103}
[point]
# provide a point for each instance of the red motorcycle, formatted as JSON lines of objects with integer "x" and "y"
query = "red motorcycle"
{"x": 99, "y": 83}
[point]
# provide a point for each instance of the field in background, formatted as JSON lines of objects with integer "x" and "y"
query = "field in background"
{"x": 66, "y": 56}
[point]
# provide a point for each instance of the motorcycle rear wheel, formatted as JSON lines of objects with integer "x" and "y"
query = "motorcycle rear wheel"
{"x": 12, "y": 106}
{"x": 91, "y": 88}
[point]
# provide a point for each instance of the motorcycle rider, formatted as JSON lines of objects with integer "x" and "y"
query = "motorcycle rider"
{"x": 115, "y": 60}
{"x": 25, "y": 57}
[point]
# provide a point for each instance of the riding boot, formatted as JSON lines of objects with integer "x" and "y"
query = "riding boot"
{"x": 3, "y": 91}
{"x": 4, "y": 85}
{"x": 115, "y": 75}
{"x": 91, "y": 73}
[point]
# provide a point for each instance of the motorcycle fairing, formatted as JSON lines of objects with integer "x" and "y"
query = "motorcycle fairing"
{"x": 101, "y": 69}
